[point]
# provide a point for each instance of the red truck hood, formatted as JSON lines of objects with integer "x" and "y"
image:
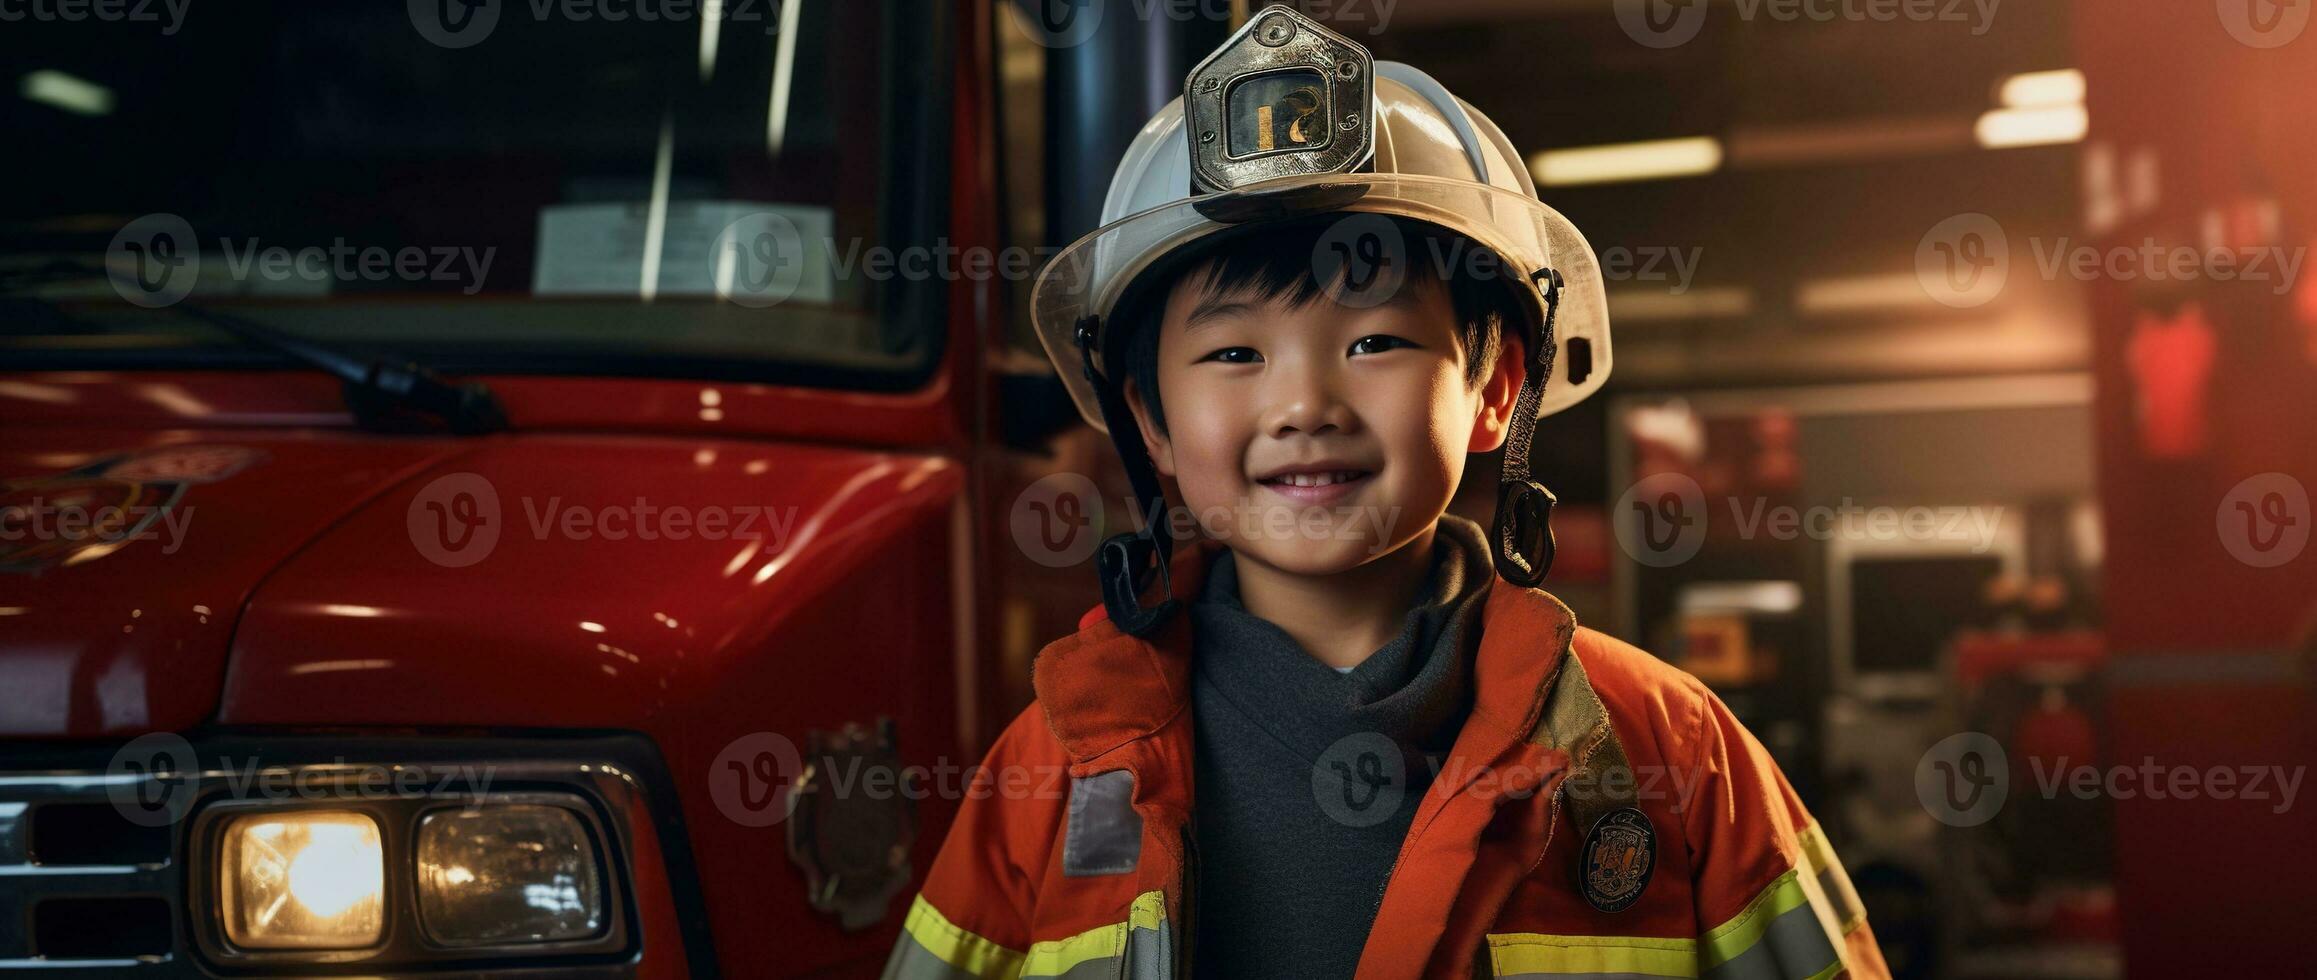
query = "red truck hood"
{"x": 160, "y": 580}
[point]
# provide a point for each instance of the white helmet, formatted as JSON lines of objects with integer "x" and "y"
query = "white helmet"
{"x": 1288, "y": 120}
{"x": 1426, "y": 155}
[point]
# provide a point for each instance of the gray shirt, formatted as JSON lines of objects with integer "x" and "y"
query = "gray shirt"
{"x": 1308, "y": 777}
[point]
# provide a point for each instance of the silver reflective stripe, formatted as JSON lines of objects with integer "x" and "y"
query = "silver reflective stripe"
{"x": 1150, "y": 953}
{"x": 1104, "y": 834}
{"x": 1841, "y": 897}
{"x": 1794, "y": 945}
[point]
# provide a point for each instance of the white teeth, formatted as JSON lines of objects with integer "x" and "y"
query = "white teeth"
{"x": 1317, "y": 479}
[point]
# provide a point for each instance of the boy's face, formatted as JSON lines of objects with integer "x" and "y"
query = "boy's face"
{"x": 1317, "y": 439}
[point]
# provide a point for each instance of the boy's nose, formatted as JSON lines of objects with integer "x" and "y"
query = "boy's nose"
{"x": 1308, "y": 408}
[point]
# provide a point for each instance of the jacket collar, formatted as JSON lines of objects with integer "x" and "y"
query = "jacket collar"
{"x": 1102, "y": 689}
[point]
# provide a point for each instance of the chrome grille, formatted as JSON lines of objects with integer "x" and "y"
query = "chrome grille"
{"x": 88, "y": 912}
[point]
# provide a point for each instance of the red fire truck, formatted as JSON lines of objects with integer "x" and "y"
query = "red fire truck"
{"x": 315, "y": 662}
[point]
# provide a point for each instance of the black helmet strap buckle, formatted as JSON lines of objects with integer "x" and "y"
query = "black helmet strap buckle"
{"x": 1127, "y": 561}
{"x": 1524, "y": 508}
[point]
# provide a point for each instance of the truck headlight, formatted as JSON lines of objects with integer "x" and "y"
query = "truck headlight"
{"x": 312, "y": 879}
{"x": 508, "y": 873}
{"x": 394, "y": 869}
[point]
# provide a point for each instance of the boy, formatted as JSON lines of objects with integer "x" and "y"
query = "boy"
{"x": 1403, "y": 766}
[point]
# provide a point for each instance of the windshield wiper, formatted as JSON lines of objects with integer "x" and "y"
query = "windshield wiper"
{"x": 381, "y": 394}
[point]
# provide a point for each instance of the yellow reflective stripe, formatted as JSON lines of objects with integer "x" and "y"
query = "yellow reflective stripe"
{"x": 1818, "y": 853}
{"x": 957, "y": 946}
{"x": 1150, "y": 909}
{"x": 1054, "y": 957}
{"x": 1518, "y": 953}
{"x": 1725, "y": 942}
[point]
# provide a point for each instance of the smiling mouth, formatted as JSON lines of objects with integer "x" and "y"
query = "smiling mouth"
{"x": 1320, "y": 479}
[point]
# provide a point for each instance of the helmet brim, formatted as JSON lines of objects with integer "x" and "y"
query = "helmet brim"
{"x": 1519, "y": 234}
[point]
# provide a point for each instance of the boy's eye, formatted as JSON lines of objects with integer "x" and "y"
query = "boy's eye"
{"x": 1235, "y": 355}
{"x": 1379, "y": 343}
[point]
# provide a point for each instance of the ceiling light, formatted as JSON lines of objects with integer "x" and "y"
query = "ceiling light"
{"x": 1617, "y": 162}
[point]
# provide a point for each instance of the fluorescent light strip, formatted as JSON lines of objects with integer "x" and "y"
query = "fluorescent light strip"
{"x": 711, "y": 32}
{"x": 1774, "y": 598}
{"x": 1619, "y": 162}
{"x": 656, "y": 213}
{"x": 2006, "y": 128}
{"x": 1853, "y": 294}
{"x": 2041, "y": 109}
{"x": 1642, "y": 305}
{"x": 72, "y": 94}
{"x": 783, "y": 71}
{"x": 2043, "y": 89}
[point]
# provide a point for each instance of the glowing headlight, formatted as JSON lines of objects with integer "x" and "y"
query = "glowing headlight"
{"x": 305, "y": 880}
{"x": 508, "y": 874}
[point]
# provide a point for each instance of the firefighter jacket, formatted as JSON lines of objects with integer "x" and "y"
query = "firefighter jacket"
{"x": 1600, "y": 814}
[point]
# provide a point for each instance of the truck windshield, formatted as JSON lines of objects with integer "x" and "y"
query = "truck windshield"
{"x": 690, "y": 188}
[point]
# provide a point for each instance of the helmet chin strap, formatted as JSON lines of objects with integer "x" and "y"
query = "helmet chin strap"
{"x": 1524, "y": 508}
{"x": 1126, "y": 561}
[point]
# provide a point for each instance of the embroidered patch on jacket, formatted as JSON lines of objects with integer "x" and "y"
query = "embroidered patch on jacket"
{"x": 1104, "y": 834}
{"x": 1619, "y": 854}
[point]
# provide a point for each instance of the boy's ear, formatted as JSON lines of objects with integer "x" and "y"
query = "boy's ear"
{"x": 1161, "y": 449}
{"x": 1497, "y": 394}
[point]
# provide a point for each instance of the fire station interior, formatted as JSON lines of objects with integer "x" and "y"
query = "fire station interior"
{"x": 1776, "y": 190}
{"x": 1961, "y": 433}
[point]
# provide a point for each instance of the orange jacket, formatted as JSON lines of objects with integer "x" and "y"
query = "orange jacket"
{"x": 1072, "y": 853}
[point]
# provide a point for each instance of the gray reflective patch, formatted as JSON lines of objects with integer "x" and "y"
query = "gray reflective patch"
{"x": 1840, "y": 894}
{"x": 1149, "y": 955}
{"x": 1104, "y": 836}
{"x": 1794, "y": 946}
{"x": 912, "y": 961}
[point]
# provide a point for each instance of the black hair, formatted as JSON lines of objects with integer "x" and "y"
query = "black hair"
{"x": 1278, "y": 261}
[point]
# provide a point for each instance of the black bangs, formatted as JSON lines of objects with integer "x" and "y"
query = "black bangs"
{"x": 1288, "y": 261}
